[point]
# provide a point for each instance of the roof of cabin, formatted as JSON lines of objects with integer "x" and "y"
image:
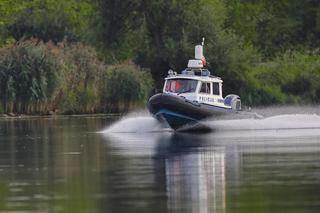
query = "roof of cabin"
{"x": 194, "y": 77}
{"x": 202, "y": 75}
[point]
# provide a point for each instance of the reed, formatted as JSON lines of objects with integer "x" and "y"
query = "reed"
{"x": 43, "y": 78}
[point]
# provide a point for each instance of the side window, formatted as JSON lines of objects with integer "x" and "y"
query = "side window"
{"x": 216, "y": 89}
{"x": 168, "y": 84}
{"x": 205, "y": 88}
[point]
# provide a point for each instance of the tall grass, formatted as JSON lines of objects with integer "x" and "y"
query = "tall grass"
{"x": 42, "y": 78}
{"x": 125, "y": 86}
{"x": 292, "y": 78}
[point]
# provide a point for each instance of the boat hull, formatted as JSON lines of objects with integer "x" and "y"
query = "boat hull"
{"x": 178, "y": 111}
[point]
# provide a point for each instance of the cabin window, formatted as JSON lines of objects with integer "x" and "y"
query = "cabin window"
{"x": 181, "y": 85}
{"x": 205, "y": 88}
{"x": 216, "y": 89}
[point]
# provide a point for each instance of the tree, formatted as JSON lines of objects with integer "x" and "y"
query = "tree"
{"x": 47, "y": 20}
{"x": 117, "y": 28}
{"x": 278, "y": 25}
{"x": 27, "y": 76}
{"x": 174, "y": 27}
{"x": 124, "y": 86}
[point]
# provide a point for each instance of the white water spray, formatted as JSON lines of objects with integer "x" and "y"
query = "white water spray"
{"x": 144, "y": 123}
{"x": 136, "y": 122}
{"x": 293, "y": 121}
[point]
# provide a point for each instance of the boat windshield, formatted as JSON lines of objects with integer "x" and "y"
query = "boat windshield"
{"x": 181, "y": 85}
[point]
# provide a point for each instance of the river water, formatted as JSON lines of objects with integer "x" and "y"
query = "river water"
{"x": 132, "y": 164}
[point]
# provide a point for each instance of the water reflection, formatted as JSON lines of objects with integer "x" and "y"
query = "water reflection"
{"x": 194, "y": 173}
{"x": 236, "y": 171}
{"x": 195, "y": 177}
{"x": 49, "y": 165}
{"x": 64, "y": 165}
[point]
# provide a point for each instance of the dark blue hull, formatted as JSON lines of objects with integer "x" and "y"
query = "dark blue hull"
{"x": 175, "y": 120}
{"x": 178, "y": 111}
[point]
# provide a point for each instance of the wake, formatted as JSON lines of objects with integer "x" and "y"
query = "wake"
{"x": 137, "y": 123}
{"x": 279, "y": 122}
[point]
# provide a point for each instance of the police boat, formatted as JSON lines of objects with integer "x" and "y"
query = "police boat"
{"x": 192, "y": 96}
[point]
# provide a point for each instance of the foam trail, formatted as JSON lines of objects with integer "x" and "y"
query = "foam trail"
{"x": 142, "y": 122}
{"x": 295, "y": 121}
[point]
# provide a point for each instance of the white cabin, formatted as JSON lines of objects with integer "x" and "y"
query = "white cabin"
{"x": 197, "y": 85}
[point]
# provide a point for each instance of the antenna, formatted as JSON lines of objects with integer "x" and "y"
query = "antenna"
{"x": 202, "y": 41}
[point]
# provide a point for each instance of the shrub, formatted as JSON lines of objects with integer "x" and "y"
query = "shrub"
{"x": 27, "y": 77}
{"x": 291, "y": 78}
{"x": 125, "y": 86}
{"x": 80, "y": 78}
{"x": 37, "y": 77}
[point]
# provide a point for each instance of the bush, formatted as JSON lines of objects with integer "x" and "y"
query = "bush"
{"x": 46, "y": 20}
{"x": 291, "y": 78}
{"x": 27, "y": 77}
{"x": 125, "y": 86}
{"x": 80, "y": 78}
{"x": 37, "y": 77}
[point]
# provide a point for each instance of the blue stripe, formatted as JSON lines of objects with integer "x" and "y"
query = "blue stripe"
{"x": 175, "y": 120}
{"x": 163, "y": 111}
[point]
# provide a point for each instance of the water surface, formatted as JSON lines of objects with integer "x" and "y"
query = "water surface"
{"x": 133, "y": 164}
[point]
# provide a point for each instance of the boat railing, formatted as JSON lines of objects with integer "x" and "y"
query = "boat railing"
{"x": 193, "y": 72}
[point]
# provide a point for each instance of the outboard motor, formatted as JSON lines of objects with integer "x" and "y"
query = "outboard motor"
{"x": 233, "y": 101}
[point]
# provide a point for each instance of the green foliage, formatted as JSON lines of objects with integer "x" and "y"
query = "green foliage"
{"x": 125, "y": 85}
{"x": 172, "y": 39}
{"x": 53, "y": 20}
{"x": 172, "y": 29}
{"x": 27, "y": 74}
{"x": 117, "y": 28}
{"x": 259, "y": 47}
{"x": 291, "y": 78}
{"x": 276, "y": 26}
{"x": 37, "y": 77}
{"x": 4, "y": 194}
{"x": 231, "y": 59}
{"x": 79, "y": 78}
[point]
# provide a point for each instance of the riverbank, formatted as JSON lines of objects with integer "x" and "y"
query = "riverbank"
{"x": 23, "y": 116}
{"x": 43, "y": 78}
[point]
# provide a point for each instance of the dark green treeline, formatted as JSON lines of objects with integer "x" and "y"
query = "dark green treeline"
{"x": 42, "y": 78}
{"x": 69, "y": 56}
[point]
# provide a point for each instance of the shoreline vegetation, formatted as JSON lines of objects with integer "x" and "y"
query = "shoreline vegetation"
{"x": 109, "y": 56}
{"x": 25, "y": 116}
{"x": 44, "y": 78}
